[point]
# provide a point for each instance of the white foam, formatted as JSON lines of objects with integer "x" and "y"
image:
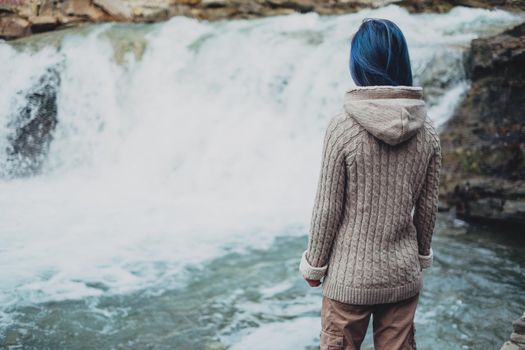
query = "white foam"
{"x": 295, "y": 334}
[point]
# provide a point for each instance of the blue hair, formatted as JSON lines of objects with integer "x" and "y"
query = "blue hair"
{"x": 379, "y": 54}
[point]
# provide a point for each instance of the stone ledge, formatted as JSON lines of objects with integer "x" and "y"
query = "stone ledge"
{"x": 24, "y": 17}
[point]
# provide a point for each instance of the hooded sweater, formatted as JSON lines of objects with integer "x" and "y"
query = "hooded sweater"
{"x": 377, "y": 198}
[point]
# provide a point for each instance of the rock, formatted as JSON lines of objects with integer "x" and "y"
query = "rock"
{"x": 490, "y": 200}
{"x": 497, "y": 52}
{"x": 484, "y": 141}
{"x": 518, "y": 338}
{"x": 510, "y": 346}
{"x": 13, "y": 27}
{"x": 117, "y": 9}
{"x": 34, "y": 124}
{"x": 189, "y": 2}
{"x": 214, "y": 3}
{"x": 446, "y": 5}
{"x": 11, "y": 5}
{"x": 150, "y": 14}
{"x": 519, "y": 325}
{"x": 44, "y": 19}
{"x": 46, "y": 15}
{"x": 85, "y": 8}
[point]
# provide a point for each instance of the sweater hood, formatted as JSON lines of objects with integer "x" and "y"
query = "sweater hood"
{"x": 393, "y": 114}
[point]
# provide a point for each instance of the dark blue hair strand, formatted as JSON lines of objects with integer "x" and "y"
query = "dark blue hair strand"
{"x": 379, "y": 54}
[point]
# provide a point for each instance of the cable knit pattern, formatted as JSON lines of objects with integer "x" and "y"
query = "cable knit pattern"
{"x": 377, "y": 197}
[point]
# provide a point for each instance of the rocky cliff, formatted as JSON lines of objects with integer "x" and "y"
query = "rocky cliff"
{"x": 24, "y": 17}
{"x": 484, "y": 142}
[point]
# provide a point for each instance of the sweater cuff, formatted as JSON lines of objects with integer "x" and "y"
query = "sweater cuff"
{"x": 309, "y": 271}
{"x": 425, "y": 261}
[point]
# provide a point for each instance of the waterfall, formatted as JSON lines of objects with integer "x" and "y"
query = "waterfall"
{"x": 128, "y": 152}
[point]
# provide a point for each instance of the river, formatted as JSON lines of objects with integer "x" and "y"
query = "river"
{"x": 172, "y": 204}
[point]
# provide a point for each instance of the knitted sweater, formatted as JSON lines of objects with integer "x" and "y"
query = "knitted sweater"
{"x": 377, "y": 198}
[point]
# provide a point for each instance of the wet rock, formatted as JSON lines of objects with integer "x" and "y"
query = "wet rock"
{"x": 519, "y": 325}
{"x": 498, "y": 52}
{"x": 33, "y": 125}
{"x": 510, "y": 346}
{"x": 490, "y": 200}
{"x": 484, "y": 142}
{"x": 517, "y": 338}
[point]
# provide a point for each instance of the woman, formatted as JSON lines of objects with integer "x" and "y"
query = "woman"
{"x": 377, "y": 199}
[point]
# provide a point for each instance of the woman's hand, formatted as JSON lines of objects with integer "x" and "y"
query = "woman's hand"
{"x": 313, "y": 283}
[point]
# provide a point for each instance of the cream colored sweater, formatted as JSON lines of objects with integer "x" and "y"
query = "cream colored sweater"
{"x": 377, "y": 198}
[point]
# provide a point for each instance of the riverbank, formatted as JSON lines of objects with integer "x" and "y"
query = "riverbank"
{"x": 19, "y": 18}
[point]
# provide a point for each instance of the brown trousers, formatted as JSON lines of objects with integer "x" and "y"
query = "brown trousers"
{"x": 344, "y": 326}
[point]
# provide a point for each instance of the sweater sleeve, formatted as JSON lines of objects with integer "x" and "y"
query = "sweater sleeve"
{"x": 328, "y": 206}
{"x": 427, "y": 207}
